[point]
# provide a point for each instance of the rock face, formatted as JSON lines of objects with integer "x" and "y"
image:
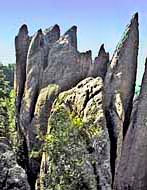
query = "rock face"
{"x": 50, "y": 64}
{"x": 77, "y": 142}
{"x": 12, "y": 176}
{"x": 22, "y": 42}
{"x": 120, "y": 86}
{"x": 132, "y": 170}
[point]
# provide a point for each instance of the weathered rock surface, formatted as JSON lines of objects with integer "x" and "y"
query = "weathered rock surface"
{"x": 36, "y": 62}
{"x": 12, "y": 176}
{"x": 51, "y": 60}
{"x": 81, "y": 110}
{"x": 48, "y": 61}
{"x": 132, "y": 169}
{"x": 120, "y": 86}
{"x": 77, "y": 144}
{"x": 66, "y": 66}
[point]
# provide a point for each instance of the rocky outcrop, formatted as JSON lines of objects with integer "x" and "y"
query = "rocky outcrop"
{"x": 12, "y": 176}
{"x": 132, "y": 169}
{"x": 119, "y": 88}
{"x": 77, "y": 143}
{"x": 51, "y": 64}
{"x": 75, "y": 118}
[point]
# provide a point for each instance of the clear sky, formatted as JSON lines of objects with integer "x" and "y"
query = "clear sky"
{"x": 98, "y": 21}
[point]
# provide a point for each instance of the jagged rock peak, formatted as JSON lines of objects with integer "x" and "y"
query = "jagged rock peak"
{"x": 54, "y": 28}
{"x": 36, "y": 42}
{"x": 23, "y": 29}
{"x": 72, "y": 35}
{"x": 86, "y": 54}
{"x": 134, "y": 18}
{"x": 39, "y": 32}
{"x": 52, "y": 34}
{"x": 130, "y": 27}
{"x": 102, "y": 50}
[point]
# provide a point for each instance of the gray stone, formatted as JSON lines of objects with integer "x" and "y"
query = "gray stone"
{"x": 22, "y": 42}
{"x": 100, "y": 65}
{"x": 120, "y": 86}
{"x": 12, "y": 176}
{"x": 132, "y": 169}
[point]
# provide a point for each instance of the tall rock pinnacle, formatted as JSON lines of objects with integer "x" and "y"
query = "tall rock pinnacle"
{"x": 72, "y": 35}
{"x": 120, "y": 86}
{"x": 132, "y": 169}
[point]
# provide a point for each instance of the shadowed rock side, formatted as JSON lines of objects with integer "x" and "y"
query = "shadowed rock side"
{"x": 120, "y": 86}
{"x": 12, "y": 176}
{"x": 100, "y": 65}
{"x": 77, "y": 143}
{"x": 22, "y": 42}
{"x": 132, "y": 169}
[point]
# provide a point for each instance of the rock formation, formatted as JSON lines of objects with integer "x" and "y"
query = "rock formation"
{"x": 47, "y": 59}
{"x": 120, "y": 87}
{"x": 132, "y": 169}
{"x": 77, "y": 129}
{"x": 100, "y": 65}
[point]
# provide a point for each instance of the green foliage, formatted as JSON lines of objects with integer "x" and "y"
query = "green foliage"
{"x": 61, "y": 143}
{"x": 8, "y": 71}
{"x": 4, "y": 94}
{"x": 7, "y": 107}
{"x": 67, "y": 144}
{"x": 11, "y": 117}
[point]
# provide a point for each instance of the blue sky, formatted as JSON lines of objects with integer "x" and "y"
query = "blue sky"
{"x": 98, "y": 21}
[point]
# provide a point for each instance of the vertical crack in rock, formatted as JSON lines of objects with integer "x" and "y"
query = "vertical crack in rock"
{"x": 132, "y": 168}
{"x": 119, "y": 88}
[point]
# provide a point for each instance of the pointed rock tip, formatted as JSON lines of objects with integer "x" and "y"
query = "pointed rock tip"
{"x": 56, "y": 27}
{"x": 23, "y": 29}
{"x": 39, "y": 31}
{"x": 134, "y": 18}
{"x": 146, "y": 63}
{"x": 72, "y": 35}
{"x": 72, "y": 29}
{"x": 136, "y": 15}
{"x": 102, "y": 50}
